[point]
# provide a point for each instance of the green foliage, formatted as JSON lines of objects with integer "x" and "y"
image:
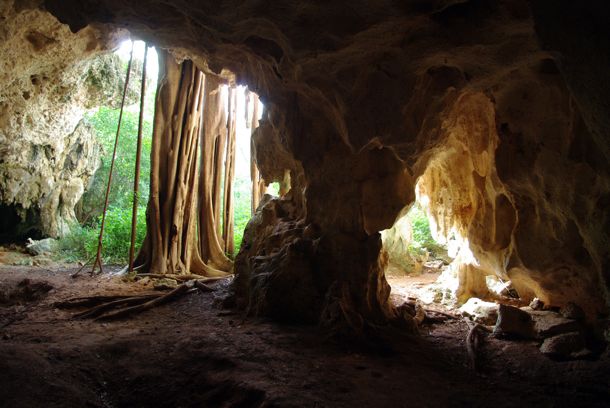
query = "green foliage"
{"x": 242, "y": 189}
{"x": 81, "y": 243}
{"x": 422, "y": 241}
{"x": 104, "y": 121}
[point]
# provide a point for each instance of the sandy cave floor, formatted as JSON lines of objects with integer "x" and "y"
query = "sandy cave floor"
{"x": 192, "y": 353}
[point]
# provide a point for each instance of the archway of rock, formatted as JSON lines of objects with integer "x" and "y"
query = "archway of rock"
{"x": 365, "y": 173}
{"x": 453, "y": 103}
{"x": 469, "y": 211}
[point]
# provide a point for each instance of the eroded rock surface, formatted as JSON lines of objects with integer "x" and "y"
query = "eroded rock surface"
{"x": 375, "y": 96}
{"x": 49, "y": 79}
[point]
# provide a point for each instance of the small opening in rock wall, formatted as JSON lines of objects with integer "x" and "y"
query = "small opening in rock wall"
{"x": 416, "y": 256}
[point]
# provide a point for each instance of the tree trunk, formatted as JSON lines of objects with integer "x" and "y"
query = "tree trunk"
{"x": 179, "y": 183}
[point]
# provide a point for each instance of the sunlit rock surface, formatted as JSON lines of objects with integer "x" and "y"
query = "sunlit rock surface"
{"x": 47, "y": 155}
{"x": 377, "y": 95}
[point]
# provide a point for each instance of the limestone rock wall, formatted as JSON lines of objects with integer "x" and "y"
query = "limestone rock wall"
{"x": 49, "y": 78}
{"x": 376, "y": 95}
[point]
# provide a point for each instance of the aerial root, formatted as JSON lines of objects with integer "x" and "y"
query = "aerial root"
{"x": 114, "y": 307}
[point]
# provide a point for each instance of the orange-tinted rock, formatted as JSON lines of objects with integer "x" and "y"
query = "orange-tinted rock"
{"x": 376, "y": 97}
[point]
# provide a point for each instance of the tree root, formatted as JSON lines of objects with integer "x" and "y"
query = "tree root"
{"x": 98, "y": 310}
{"x": 114, "y": 307}
{"x": 182, "y": 278}
{"x": 94, "y": 300}
{"x": 474, "y": 340}
{"x": 168, "y": 297}
{"x": 422, "y": 315}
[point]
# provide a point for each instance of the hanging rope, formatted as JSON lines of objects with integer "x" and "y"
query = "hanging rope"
{"x": 98, "y": 257}
{"x": 136, "y": 179}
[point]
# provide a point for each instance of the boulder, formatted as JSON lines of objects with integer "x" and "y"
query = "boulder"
{"x": 480, "y": 311}
{"x": 514, "y": 322}
{"x": 548, "y": 324}
{"x": 566, "y": 345}
{"x": 44, "y": 246}
{"x": 537, "y": 304}
{"x": 572, "y": 311}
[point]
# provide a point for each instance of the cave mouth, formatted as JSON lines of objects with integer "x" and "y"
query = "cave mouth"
{"x": 18, "y": 224}
{"x": 415, "y": 257}
{"x": 76, "y": 223}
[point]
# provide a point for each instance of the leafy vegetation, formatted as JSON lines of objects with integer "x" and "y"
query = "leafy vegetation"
{"x": 81, "y": 243}
{"x": 242, "y": 189}
{"x": 104, "y": 122}
{"x": 422, "y": 242}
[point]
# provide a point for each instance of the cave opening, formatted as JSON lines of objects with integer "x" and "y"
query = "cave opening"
{"x": 451, "y": 120}
{"x": 416, "y": 257}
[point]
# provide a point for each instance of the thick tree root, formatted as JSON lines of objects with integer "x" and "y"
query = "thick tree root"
{"x": 98, "y": 310}
{"x": 95, "y": 300}
{"x": 114, "y": 307}
{"x": 168, "y": 297}
{"x": 182, "y": 278}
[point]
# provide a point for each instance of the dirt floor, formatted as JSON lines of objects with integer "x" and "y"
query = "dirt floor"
{"x": 192, "y": 353}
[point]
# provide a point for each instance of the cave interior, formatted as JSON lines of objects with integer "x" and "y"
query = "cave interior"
{"x": 491, "y": 118}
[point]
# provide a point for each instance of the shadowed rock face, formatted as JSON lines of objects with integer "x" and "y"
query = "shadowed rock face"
{"x": 370, "y": 96}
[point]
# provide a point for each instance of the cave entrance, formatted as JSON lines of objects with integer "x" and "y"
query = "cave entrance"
{"x": 417, "y": 255}
{"x": 18, "y": 224}
{"x": 237, "y": 108}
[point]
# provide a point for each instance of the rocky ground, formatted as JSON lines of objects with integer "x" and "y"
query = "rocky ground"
{"x": 194, "y": 353}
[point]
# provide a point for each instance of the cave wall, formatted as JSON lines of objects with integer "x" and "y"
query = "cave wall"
{"x": 376, "y": 95}
{"x": 49, "y": 78}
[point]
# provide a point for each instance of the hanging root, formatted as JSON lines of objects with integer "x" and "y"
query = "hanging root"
{"x": 114, "y": 307}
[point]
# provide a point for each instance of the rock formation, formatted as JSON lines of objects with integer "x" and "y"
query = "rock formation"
{"x": 49, "y": 79}
{"x": 509, "y": 141}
